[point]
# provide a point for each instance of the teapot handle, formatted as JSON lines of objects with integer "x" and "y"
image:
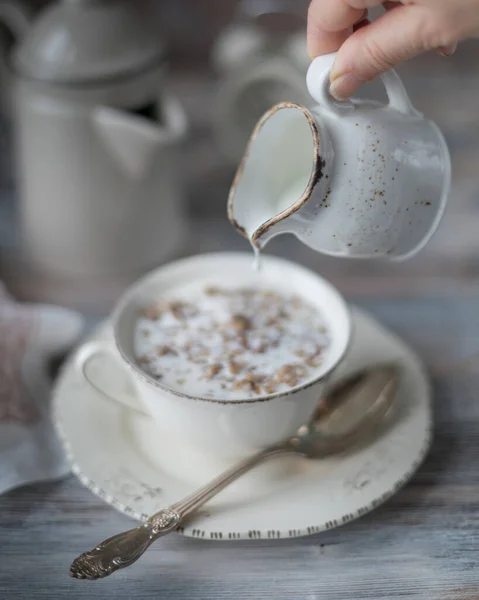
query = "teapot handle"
{"x": 317, "y": 80}
{"x": 15, "y": 17}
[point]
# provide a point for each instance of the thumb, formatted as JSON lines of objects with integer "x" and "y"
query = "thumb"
{"x": 401, "y": 33}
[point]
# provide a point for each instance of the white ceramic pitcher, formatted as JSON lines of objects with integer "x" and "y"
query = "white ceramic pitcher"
{"x": 353, "y": 179}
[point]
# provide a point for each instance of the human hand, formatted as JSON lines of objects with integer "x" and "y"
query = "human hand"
{"x": 367, "y": 49}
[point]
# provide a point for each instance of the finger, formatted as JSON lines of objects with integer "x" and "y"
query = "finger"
{"x": 334, "y": 15}
{"x": 361, "y": 24}
{"x": 390, "y": 4}
{"x": 329, "y": 25}
{"x": 365, "y": 4}
{"x": 323, "y": 42}
{"x": 399, "y": 34}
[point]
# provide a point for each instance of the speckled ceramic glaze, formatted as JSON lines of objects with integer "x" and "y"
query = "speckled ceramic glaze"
{"x": 354, "y": 178}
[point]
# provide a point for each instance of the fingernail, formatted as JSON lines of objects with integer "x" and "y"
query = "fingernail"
{"x": 343, "y": 86}
{"x": 448, "y": 50}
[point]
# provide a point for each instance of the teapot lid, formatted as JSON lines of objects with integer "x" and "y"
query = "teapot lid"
{"x": 76, "y": 41}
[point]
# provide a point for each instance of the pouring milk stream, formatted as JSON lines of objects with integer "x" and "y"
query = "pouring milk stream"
{"x": 354, "y": 179}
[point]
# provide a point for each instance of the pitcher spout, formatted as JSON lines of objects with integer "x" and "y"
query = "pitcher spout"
{"x": 272, "y": 228}
{"x": 280, "y": 169}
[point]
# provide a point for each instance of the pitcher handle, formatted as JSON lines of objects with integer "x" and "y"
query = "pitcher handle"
{"x": 16, "y": 17}
{"x": 397, "y": 95}
{"x": 85, "y": 361}
{"x": 317, "y": 80}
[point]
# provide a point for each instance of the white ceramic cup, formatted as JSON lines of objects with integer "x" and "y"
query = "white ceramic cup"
{"x": 230, "y": 428}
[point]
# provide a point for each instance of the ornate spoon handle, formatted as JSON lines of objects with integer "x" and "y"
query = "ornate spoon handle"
{"x": 123, "y": 549}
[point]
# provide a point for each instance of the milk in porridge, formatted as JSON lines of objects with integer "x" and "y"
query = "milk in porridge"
{"x": 231, "y": 343}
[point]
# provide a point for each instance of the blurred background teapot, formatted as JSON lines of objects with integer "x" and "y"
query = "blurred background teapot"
{"x": 261, "y": 59}
{"x": 96, "y": 137}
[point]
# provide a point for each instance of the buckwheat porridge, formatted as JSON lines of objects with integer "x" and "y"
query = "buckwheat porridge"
{"x": 231, "y": 343}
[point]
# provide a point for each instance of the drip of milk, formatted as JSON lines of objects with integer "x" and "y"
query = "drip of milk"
{"x": 256, "y": 258}
{"x": 258, "y": 217}
{"x": 278, "y": 168}
{"x": 269, "y": 206}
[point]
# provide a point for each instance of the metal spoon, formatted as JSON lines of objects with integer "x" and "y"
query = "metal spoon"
{"x": 350, "y": 413}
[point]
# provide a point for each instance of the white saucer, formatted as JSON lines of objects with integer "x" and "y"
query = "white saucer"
{"x": 120, "y": 457}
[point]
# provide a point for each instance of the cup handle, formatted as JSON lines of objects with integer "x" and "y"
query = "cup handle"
{"x": 87, "y": 362}
{"x": 317, "y": 80}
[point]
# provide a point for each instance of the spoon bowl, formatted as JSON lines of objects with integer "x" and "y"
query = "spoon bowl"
{"x": 353, "y": 409}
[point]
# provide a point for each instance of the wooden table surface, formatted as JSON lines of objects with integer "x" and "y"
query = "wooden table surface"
{"x": 424, "y": 542}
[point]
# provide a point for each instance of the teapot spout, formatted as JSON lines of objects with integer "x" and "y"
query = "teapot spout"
{"x": 280, "y": 169}
{"x": 133, "y": 142}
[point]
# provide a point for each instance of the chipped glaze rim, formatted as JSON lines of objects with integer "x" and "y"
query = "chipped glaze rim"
{"x": 315, "y": 175}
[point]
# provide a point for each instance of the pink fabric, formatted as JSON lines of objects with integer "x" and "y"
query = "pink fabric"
{"x": 30, "y": 335}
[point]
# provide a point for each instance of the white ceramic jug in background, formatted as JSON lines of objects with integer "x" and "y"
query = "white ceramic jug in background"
{"x": 351, "y": 179}
{"x": 96, "y": 138}
{"x": 257, "y": 69}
